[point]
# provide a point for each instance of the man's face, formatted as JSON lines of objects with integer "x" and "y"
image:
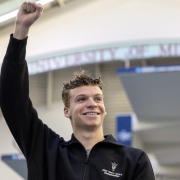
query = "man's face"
{"x": 87, "y": 108}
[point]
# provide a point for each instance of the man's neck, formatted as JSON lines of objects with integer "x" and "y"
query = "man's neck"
{"x": 89, "y": 138}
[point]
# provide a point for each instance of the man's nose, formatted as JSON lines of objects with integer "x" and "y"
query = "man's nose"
{"x": 91, "y": 103}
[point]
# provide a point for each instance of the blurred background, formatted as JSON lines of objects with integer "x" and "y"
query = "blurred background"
{"x": 133, "y": 44}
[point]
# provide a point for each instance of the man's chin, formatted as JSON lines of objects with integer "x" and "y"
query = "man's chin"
{"x": 92, "y": 126}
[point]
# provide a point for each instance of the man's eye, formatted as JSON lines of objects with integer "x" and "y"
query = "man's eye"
{"x": 98, "y": 99}
{"x": 81, "y": 99}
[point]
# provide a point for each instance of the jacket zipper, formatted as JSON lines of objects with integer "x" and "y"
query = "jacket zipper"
{"x": 86, "y": 162}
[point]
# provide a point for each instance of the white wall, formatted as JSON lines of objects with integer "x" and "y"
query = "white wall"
{"x": 6, "y": 147}
{"x": 91, "y": 22}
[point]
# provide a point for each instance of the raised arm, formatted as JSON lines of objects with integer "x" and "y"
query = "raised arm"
{"x": 17, "y": 109}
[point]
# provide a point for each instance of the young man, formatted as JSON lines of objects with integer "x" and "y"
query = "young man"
{"x": 89, "y": 155}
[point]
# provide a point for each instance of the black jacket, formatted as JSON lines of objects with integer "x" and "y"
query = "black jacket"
{"x": 48, "y": 156}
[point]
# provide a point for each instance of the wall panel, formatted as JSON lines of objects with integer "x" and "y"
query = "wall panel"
{"x": 37, "y": 89}
{"x": 116, "y": 100}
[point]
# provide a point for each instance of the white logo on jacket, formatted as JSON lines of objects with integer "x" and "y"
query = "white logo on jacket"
{"x": 110, "y": 173}
{"x": 114, "y": 165}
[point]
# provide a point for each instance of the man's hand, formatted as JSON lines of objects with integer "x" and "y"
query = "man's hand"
{"x": 28, "y": 13}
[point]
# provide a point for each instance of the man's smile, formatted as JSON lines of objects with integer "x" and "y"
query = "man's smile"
{"x": 91, "y": 113}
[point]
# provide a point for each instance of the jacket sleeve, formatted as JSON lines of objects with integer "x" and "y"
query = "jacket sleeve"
{"x": 143, "y": 169}
{"x": 17, "y": 109}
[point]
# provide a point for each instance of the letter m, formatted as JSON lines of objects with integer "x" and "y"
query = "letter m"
{"x": 165, "y": 50}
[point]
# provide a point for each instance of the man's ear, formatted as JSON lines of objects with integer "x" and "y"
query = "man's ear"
{"x": 66, "y": 112}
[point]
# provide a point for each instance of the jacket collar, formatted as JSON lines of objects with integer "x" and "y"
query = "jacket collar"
{"x": 108, "y": 139}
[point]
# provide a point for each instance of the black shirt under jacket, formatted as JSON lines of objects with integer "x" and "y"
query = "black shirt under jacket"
{"x": 48, "y": 156}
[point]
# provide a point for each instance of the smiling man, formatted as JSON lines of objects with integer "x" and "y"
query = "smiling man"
{"x": 84, "y": 106}
{"x": 88, "y": 155}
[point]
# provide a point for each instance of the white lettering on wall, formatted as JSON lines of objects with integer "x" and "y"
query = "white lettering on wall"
{"x": 102, "y": 55}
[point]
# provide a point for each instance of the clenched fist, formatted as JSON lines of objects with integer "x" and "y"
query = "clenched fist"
{"x": 28, "y": 13}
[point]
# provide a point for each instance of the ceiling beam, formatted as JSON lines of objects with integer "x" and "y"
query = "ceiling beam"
{"x": 61, "y": 3}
